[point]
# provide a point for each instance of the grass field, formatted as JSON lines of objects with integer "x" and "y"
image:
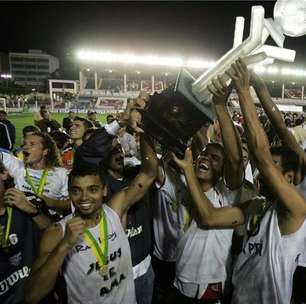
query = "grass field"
{"x": 20, "y": 120}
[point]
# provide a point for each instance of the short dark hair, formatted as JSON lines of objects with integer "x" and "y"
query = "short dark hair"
{"x": 3, "y": 112}
{"x": 81, "y": 171}
{"x": 87, "y": 123}
{"x": 289, "y": 159}
{"x": 217, "y": 146}
{"x": 28, "y": 129}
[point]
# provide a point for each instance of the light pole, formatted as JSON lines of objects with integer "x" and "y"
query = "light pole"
{"x": 35, "y": 94}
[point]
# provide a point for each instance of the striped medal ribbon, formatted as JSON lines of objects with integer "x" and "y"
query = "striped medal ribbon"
{"x": 100, "y": 251}
{"x": 41, "y": 184}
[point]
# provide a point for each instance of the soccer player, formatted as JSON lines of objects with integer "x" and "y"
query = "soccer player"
{"x": 76, "y": 132}
{"x": 40, "y": 171}
{"x": 91, "y": 247}
{"x": 19, "y": 239}
{"x": 275, "y": 228}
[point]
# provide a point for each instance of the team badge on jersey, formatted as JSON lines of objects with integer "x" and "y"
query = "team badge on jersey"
{"x": 15, "y": 259}
{"x": 13, "y": 238}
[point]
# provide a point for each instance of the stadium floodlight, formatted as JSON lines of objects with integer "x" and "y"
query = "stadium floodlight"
{"x": 87, "y": 55}
{"x": 6, "y": 76}
{"x": 272, "y": 70}
{"x": 129, "y": 58}
{"x": 259, "y": 69}
{"x": 263, "y": 68}
{"x": 198, "y": 63}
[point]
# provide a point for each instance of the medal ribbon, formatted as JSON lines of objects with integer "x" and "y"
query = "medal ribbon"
{"x": 41, "y": 184}
{"x": 4, "y": 242}
{"x": 99, "y": 251}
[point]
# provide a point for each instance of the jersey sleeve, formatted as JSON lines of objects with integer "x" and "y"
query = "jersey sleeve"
{"x": 64, "y": 189}
{"x": 11, "y": 163}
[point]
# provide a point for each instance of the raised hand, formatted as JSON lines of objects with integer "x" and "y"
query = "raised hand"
{"x": 185, "y": 163}
{"x": 220, "y": 90}
{"x": 74, "y": 229}
{"x": 240, "y": 75}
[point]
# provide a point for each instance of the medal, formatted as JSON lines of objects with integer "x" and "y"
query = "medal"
{"x": 100, "y": 251}
{"x": 103, "y": 270}
{"x": 5, "y": 236}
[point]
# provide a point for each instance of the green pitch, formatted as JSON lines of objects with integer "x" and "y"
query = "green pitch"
{"x": 20, "y": 120}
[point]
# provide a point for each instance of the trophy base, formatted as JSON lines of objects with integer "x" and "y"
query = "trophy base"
{"x": 175, "y": 115}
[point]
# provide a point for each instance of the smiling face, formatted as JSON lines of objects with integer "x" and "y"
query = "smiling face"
{"x": 33, "y": 150}
{"x": 209, "y": 164}
{"x": 86, "y": 193}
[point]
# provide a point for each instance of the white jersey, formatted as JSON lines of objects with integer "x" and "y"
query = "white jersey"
{"x": 203, "y": 255}
{"x": 169, "y": 214}
{"x": 248, "y": 173}
{"x": 302, "y": 188}
{"x": 56, "y": 186}
{"x": 263, "y": 272}
{"x": 81, "y": 271}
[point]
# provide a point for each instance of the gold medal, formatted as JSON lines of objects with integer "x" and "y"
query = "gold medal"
{"x": 103, "y": 270}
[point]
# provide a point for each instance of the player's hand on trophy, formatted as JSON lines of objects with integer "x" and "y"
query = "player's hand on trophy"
{"x": 131, "y": 117}
{"x": 240, "y": 75}
{"x": 185, "y": 163}
{"x": 220, "y": 90}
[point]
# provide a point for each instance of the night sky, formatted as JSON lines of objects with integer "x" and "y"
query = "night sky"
{"x": 200, "y": 29}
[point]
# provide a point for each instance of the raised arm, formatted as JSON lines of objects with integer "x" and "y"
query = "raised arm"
{"x": 124, "y": 199}
{"x": 233, "y": 168}
{"x": 206, "y": 214}
{"x": 277, "y": 120}
{"x": 287, "y": 195}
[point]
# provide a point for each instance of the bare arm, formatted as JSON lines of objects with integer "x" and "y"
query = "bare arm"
{"x": 276, "y": 119}
{"x": 47, "y": 266}
{"x": 234, "y": 169}
{"x": 287, "y": 195}
{"x": 53, "y": 250}
{"x": 58, "y": 204}
{"x": 124, "y": 199}
{"x": 207, "y": 215}
{"x": 16, "y": 198}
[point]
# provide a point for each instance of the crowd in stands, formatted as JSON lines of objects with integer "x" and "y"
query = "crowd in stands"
{"x": 91, "y": 213}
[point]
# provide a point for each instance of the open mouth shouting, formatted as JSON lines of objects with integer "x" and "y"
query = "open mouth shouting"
{"x": 203, "y": 167}
{"x": 26, "y": 154}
